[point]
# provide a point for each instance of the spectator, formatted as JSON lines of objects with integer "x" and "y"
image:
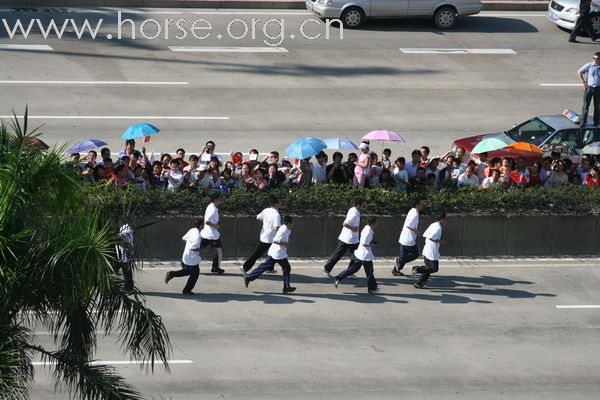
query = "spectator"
{"x": 214, "y": 163}
{"x": 546, "y": 170}
{"x": 374, "y": 171}
{"x": 411, "y": 167}
{"x": 215, "y": 177}
{"x": 228, "y": 182}
{"x": 592, "y": 180}
{"x": 120, "y": 175}
{"x": 174, "y": 175}
{"x": 203, "y": 177}
{"x": 361, "y": 167}
{"x": 520, "y": 175}
{"x": 493, "y": 181}
{"x": 386, "y": 160}
{"x": 482, "y": 166}
{"x": 272, "y": 158}
{"x": 259, "y": 179}
{"x": 91, "y": 158}
{"x": 350, "y": 165}
{"x": 445, "y": 174}
{"x": 180, "y": 155}
{"x": 192, "y": 167}
{"x": 431, "y": 182}
{"x": 468, "y": 178}
{"x": 130, "y": 150}
{"x": 74, "y": 158}
{"x": 385, "y": 179}
{"x": 157, "y": 179}
{"x": 236, "y": 160}
{"x": 558, "y": 176}
{"x": 461, "y": 154}
{"x": 207, "y": 152}
{"x": 433, "y": 167}
{"x": 253, "y": 158}
{"x": 246, "y": 179}
{"x": 87, "y": 174}
{"x": 303, "y": 175}
{"x": 534, "y": 175}
{"x": 575, "y": 179}
{"x": 275, "y": 179}
{"x": 400, "y": 175}
{"x": 138, "y": 179}
{"x": 105, "y": 153}
{"x": 424, "y": 156}
{"x": 419, "y": 182}
{"x": 165, "y": 159}
{"x": 107, "y": 163}
{"x": 319, "y": 168}
{"x": 336, "y": 172}
{"x": 100, "y": 173}
{"x": 584, "y": 168}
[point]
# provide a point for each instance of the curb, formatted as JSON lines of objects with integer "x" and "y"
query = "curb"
{"x": 31, "y": 5}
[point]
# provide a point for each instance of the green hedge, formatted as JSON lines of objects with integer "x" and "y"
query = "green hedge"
{"x": 336, "y": 199}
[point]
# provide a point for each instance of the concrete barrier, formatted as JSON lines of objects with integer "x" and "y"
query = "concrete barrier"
{"x": 466, "y": 236}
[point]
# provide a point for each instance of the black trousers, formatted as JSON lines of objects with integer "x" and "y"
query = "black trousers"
{"x": 261, "y": 249}
{"x": 339, "y": 251}
{"x": 424, "y": 271}
{"x": 355, "y": 267}
{"x": 215, "y": 244}
{"x": 127, "y": 274}
{"x": 407, "y": 254}
{"x": 589, "y": 94}
{"x": 188, "y": 270}
{"x": 269, "y": 263}
{"x": 583, "y": 21}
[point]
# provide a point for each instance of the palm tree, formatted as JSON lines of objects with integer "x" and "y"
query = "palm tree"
{"x": 56, "y": 270}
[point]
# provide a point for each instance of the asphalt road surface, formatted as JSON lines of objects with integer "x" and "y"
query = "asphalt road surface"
{"x": 376, "y": 77}
{"x": 515, "y": 329}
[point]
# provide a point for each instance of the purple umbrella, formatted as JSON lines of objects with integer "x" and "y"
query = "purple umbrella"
{"x": 383, "y": 135}
{"x": 86, "y": 145}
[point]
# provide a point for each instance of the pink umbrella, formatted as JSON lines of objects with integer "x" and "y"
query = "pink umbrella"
{"x": 383, "y": 135}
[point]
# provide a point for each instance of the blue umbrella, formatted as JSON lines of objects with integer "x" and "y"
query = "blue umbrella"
{"x": 140, "y": 130}
{"x": 86, "y": 145}
{"x": 338, "y": 143}
{"x": 305, "y": 148}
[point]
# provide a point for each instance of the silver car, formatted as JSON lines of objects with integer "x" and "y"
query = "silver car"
{"x": 353, "y": 13}
{"x": 564, "y": 13}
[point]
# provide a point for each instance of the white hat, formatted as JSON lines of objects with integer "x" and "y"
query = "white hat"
{"x": 363, "y": 146}
{"x": 202, "y": 167}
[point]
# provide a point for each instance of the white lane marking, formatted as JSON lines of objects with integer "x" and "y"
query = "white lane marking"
{"x": 48, "y": 333}
{"x": 31, "y": 47}
{"x": 455, "y": 51}
{"x": 161, "y": 117}
{"x": 579, "y": 307}
{"x": 54, "y": 312}
{"x": 561, "y": 84}
{"x": 141, "y": 83}
{"x": 511, "y": 14}
{"x": 118, "y": 362}
{"x": 251, "y": 13}
{"x": 196, "y": 49}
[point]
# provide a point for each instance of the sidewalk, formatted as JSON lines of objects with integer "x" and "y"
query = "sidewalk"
{"x": 488, "y": 5}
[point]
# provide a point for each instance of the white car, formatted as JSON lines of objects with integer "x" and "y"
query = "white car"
{"x": 564, "y": 13}
{"x": 353, "y": 13}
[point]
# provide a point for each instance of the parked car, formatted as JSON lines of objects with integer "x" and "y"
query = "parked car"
{"x": 353, "y": 13}
{"x": 549, "y": 132}
{"x": 564, "y": 13}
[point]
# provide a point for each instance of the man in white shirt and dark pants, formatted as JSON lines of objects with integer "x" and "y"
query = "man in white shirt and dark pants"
{"x": 363, "y": 258}
{"x": 125, "y": 257}
{"x": 271, "y": 221}
{"x": 431, "y": 252}
{"x": 348, "y": 239}
{"x": 408, "y": 239}
{"x": 277, "y": 254}
{"x": 190, "y": 262}
{"x": 211, "y": 235}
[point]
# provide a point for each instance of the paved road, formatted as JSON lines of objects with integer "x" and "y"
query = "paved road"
{"x": 484, "y": 329}
{"x": 318, "y": 87}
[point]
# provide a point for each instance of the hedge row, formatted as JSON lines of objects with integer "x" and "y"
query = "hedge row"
{"x": 336, "y": 199}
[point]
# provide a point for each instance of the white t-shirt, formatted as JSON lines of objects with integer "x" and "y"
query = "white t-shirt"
{"x": 318, "y": 172}
{"x": 464, "y": 180}
{"x": 175, "y": 180}
{"x": 211, "y": 215}
{"x": 192, "y": 241}
{"x": 366, "y": 237}
{"x": 408, "y": 237}
{"x": 352, "y": 219}
{"x": 276, "y": 251}
{"x": 489, "y": 182}
{"x": 431, "y": 250}
{"x": 271, "y": 222}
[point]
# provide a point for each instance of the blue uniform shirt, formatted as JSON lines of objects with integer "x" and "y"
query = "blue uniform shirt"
{"x": 593, "y": 73}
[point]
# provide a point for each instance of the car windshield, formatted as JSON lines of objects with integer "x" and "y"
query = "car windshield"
{"x": 533, "y": 131}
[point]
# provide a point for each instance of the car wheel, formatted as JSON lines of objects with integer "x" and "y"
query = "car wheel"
{"x": 445, "y": 17}
{"x": 353, "y": 17}
{"x": 596, "y": 23}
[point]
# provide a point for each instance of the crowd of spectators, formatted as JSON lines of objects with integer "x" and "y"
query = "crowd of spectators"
{"x": 365, "y": 168}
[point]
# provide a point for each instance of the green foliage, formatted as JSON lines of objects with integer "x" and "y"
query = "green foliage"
{"x": 56, "y": 270}
{"x": 335, "y": 200}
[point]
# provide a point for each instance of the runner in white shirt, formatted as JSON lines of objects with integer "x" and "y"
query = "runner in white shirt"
{"x": 271, "y": 221}
{"x": 277, "y": 254}
{"x": 190, "y": 261}
{"x": 363, "y": 258}
{"x": 431, "y": 252}
{"x": 408, "y": 239}
{"x": 348, "y": 239}
{"x": 210, "y": 234}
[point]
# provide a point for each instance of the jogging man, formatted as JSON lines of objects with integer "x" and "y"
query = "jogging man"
{"x": 277, "y": 254}
{"x": 190, "y": 261}
{"x": 211, "y": 235}
{"x": 271, "y": 221}
{"x": 431, "y": 252}
{"x": 408, "y": 239}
